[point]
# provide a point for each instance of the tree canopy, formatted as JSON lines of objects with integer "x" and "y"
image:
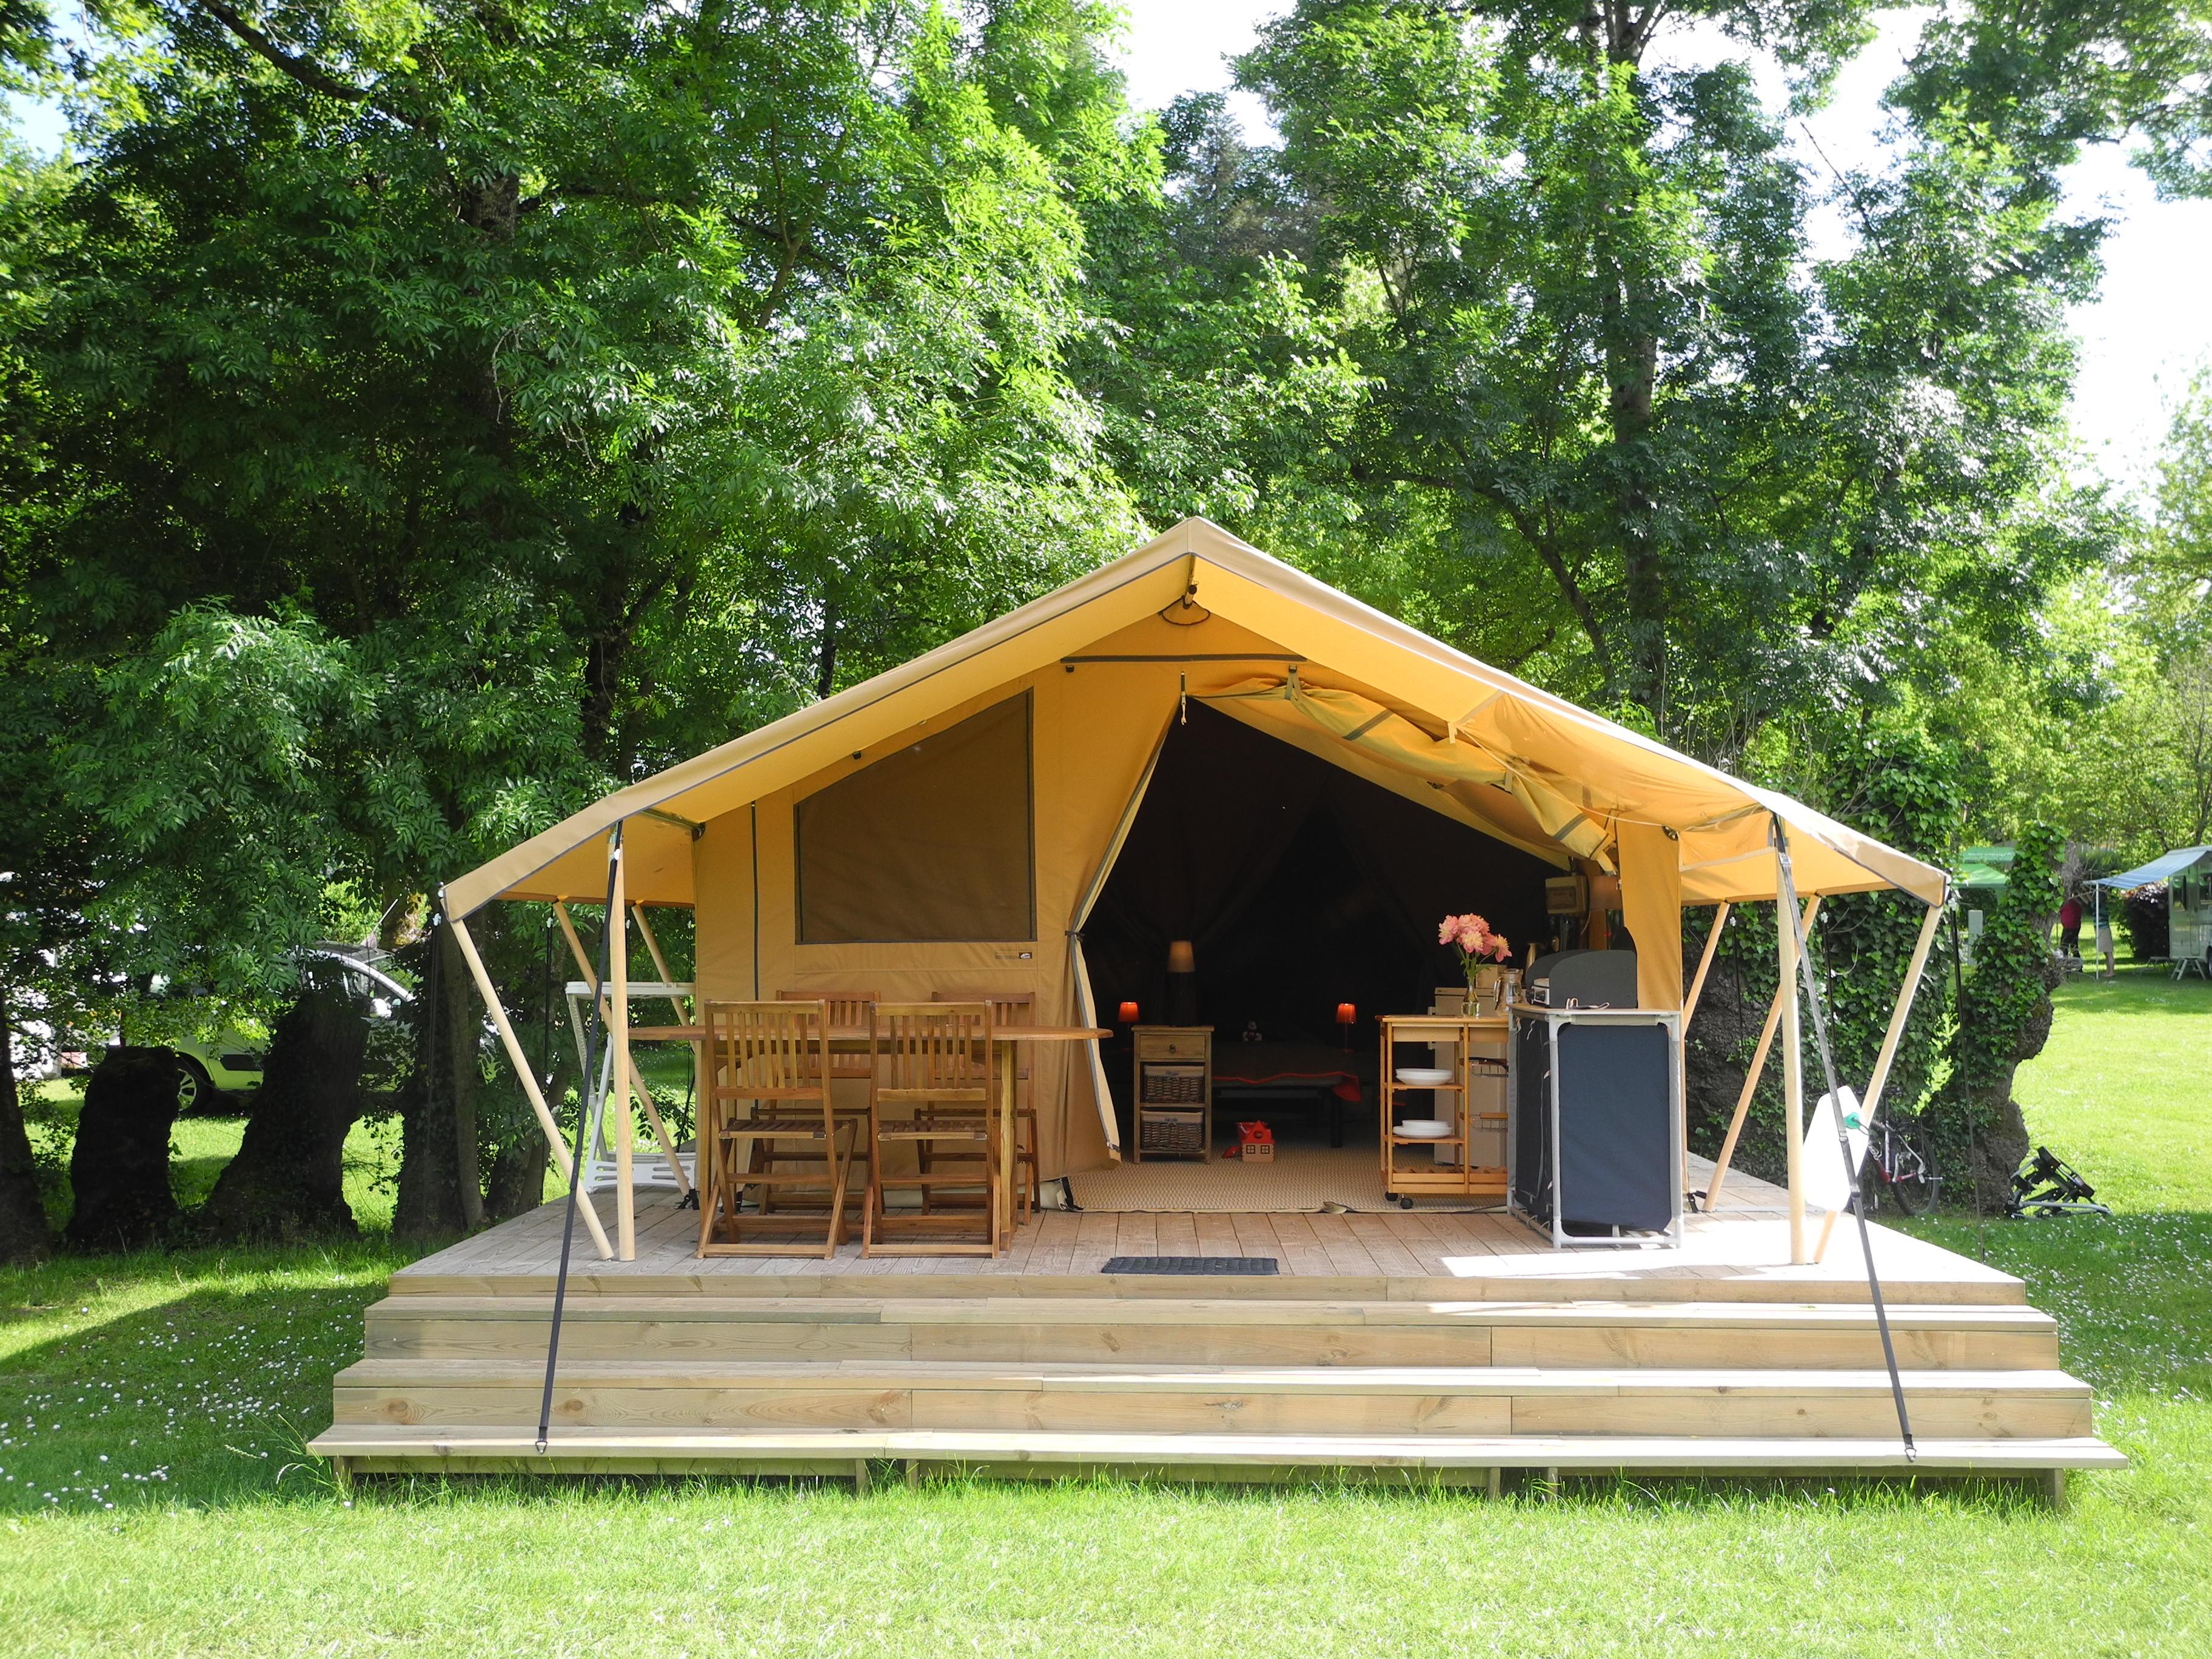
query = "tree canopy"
{"x": 420, "y": 417}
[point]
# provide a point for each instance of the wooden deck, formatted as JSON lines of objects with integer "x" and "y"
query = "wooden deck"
{"x": 1740, "y": 1254}
{"x": 1458, "y": 1343}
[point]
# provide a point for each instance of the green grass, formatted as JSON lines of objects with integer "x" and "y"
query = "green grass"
{"x": 198, "y": 1376}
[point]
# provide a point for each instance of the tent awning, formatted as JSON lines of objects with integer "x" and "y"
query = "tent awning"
{"x": 2165, "y": 865}
{"x": 1513, "y": 755}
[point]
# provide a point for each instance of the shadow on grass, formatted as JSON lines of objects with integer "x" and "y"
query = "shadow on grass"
{"x": 190, "y": 1377}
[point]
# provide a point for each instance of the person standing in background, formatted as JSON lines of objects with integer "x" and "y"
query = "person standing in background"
{"x": 2069, "y": 928}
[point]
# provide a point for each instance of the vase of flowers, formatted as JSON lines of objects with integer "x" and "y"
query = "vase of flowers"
{"x": 1482, "y": 953}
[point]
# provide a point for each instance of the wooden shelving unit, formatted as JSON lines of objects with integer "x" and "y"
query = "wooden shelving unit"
{"x": 1173, "y": 1091}
{"x": 1405, "y": 1172}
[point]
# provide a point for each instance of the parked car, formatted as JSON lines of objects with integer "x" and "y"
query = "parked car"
{"x": 229, "y": 1063}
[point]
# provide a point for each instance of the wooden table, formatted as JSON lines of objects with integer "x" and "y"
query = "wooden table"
{"x": 1005, "y": 1040}
{"x": 1463, "y": 1032}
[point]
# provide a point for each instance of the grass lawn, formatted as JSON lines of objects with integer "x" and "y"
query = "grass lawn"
{"x": 152, "y": 1494}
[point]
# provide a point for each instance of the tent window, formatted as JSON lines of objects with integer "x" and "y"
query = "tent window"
{"x": 934, "y": 842}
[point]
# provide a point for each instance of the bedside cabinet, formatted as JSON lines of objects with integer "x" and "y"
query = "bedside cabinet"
{"x": 1174, "y": 1091}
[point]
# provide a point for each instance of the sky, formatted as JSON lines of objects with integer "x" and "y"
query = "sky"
{"x": 2146, "y": 333}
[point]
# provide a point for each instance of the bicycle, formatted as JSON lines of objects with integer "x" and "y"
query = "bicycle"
{"x": 1896, "y": 1168}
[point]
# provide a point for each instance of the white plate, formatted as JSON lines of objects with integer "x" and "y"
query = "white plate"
{"x": 1423, "y": 1077}
{"x": 1425, "y": 1128}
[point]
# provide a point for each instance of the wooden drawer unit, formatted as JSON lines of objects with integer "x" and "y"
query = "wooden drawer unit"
{"x": 1184, "y": 1043}
{"x": 1173, "y": 1091}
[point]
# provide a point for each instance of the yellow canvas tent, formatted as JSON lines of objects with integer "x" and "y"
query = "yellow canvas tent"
{"x": 811, "y": 854}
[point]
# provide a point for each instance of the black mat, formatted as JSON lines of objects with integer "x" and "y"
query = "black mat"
{"x": 1196, "y": 1267}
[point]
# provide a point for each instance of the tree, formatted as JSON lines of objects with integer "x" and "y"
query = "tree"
{"x": 1578, "y": 287}
{"x": 516, "y": 401}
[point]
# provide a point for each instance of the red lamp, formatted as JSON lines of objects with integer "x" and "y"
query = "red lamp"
{"x": 1347, "y": 1017}
{"x": 1128, "y": 1013}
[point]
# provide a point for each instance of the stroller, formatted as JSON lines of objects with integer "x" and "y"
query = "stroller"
{"x": 2046, "y": 1185}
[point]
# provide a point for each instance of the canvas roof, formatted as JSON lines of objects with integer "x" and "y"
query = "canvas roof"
{"x": 2165, "y": 865}
{"x": 1501, "y": 752}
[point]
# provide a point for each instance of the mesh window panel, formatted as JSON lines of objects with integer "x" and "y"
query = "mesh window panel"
{"x": 934, "y": 842}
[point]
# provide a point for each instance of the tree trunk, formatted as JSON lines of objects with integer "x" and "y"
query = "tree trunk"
{"x": 440, "y": 1190}
{"x": 24, "y": 1234}
{"x": 2001, "y": 1137}
{"x": 288, "y": 1180}
{"x": 517, "y": 1184}
{"x": 119, "y": 1167}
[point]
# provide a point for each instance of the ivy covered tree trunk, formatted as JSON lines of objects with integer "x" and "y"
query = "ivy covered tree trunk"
{"x": 440, "y": 1190}
{"x": 2005, "y": 1013}
{"x": 24, "y": 1234}
{"x": 119, "y": 1167}
{"x": 288, "y": 1180}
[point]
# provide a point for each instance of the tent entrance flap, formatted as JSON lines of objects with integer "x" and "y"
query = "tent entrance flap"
{"x": 1080, "y": 970}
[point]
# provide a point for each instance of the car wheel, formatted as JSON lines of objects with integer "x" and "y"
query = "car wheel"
{"x": 195, "y": 1088}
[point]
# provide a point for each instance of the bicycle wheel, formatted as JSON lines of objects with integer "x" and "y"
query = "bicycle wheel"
{"x": 1913, "y": 1186}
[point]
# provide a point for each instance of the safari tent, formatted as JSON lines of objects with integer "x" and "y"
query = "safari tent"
{"x": 962, "y": 822}
{"x": 952, "y": 823}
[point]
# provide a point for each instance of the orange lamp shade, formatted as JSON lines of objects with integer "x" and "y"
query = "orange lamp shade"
{"x": 1346, "y": 1014}
{"x": 1128, "y": 1013}
{"x": 1180, "y": 958}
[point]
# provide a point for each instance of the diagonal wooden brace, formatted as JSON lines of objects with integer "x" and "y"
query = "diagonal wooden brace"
{"x": 561, "y": 1161}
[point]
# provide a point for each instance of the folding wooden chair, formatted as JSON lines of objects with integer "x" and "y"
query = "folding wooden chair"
{"x": 849, "y": 1010}
{"x": 1015, "y": 1008}
{"x": 772, "y": 1061}
{"x": 932, "y": 1090}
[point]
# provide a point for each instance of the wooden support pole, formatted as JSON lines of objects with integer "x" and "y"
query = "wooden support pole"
{"x": 1751, "y": 1082}
{"x": 644, "y": 1098}
{"x": 1705, "y": 964}
{"x": 1793, "y": 1081}
{"x": 682, "y": 1018}
{"x": 561, "y": 1161}
{"x": 637, "y": 1090}
{"x": 659, "y": 963}
{"x": 575, "y": 945}
{"x": 618, "y": 1091}
{"x": 1900, "y": 1011}
{"x": 1689, "y": 1008}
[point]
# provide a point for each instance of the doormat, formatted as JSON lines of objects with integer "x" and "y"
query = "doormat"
{"x": 1193, "y": 1267}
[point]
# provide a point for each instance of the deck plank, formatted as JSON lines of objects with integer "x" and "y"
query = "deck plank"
{"x": 1178, "y": 1233}
{"x": 1301, "y": 1251}
{"x": 1345, "y": 1253}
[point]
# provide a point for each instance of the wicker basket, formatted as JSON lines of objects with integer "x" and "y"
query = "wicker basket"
{"x": 1176, "y": 1136}
{"x": 1175, "y": 1085}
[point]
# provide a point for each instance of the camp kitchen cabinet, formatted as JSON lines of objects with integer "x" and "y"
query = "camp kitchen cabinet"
{"x": 1594, "y": 1139}
{"x": 1173, "y": 1091}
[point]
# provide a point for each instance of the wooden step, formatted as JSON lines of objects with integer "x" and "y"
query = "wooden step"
{"x": 1488, "y": 1401}
{"x": 1654, "y": 1280}
{"x": 1211, "y": 1331}
{"x": 507, "y": 1449}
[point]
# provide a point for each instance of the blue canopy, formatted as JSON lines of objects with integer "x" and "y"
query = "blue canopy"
{"x": 2166, "y": 864}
